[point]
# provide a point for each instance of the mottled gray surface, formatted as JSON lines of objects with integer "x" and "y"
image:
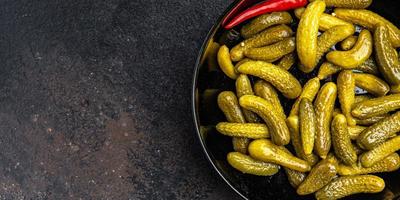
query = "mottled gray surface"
{"x": 95, "y": 100}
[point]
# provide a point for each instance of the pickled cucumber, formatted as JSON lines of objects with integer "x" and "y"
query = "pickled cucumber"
{"x": 295, "y": 178}
{"x": 388, "y": 164}
{"x": 244, "y": 87}
{"x": 310, "y": 90}
{"x": 266, "y": 91}
{"x": 273, "y": 51}
{"x": 266, "y": 37}
{"x": 371, "y": 120}
{"x": 326, "y": 21}
{"x": 376, "y": 106}
{"x": 307, "y": 35}
{"x": 276, "y": 124}
{"x": 371, "y": 84}
{"x": 225, "y": 63}
{"x": 355, "y": 131}
{"x": 281, "y": 79}
{"x": 265, "y": 21}
{"x": 320, "y": 175}
{"x": 324, "y": 105}
{"x": 356, "y": 4}
{"x": 356, "y": 56}
{"x": 387, "y": 58}
{"x": 348, "y": 185}
{"x": 379, "y": 132}
{"x": 369, "y": 66}
{"x": 248, "y": 165}
{"x": 246, "y": 130}
{"x": 369, "y": 20}
{"x": 293, "y": 125}
{"x": 380, "y": 152}
{"x": 348, "y": 43}
{"x": 287, "y": 61}
{"x": 307, "y": 125}
{"x": 327, "y": 69}
{"x": 266, "y": 151}
{"x": 346, "y": 94}
{"x": 341, "y": 141}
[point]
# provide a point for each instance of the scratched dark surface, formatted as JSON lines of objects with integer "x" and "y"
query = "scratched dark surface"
{"x": 95, "y": 100}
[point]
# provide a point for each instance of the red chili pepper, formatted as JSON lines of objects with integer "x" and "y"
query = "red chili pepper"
{"x": 265, "y": 7}
{"x": 239, "y": 7}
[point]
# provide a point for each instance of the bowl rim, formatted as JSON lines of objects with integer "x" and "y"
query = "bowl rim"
{"x": 195, "y": 111}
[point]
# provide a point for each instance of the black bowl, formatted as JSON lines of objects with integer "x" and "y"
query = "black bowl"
{"x": 209, "y": 81}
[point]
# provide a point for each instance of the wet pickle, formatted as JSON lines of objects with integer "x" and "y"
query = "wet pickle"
{"x": 287, "y": 61}
{"x": 356, "y": 56}
{"x": 324, "y": 105}
{"x": 369, "y": 67}
{"x": 326, "y": 21}
{"x": 387, "y": 58}
{"x": 281, "y": 79}
{"x": 266, "y": 91}
{"x": 310, "y": 90}
{"x": 307, "y": 125}
{"x": 244, "y": 87}
{"x": 379, "y": 132}
{"x": 360, "y": 98}
{"x": 294, "y": 128}
{"x": 355, "y": 131}
{"x": 346, "y": 94}
{"x": 265, "y": 21}
{"x": 246, "y": 130}
{"x": 320, "y": 175}
{"x": 266, "y": 37}
{"x": 307, "y": 35}
{"x": 380, "y": 152}
{"x": 376, "y": 106}
{"x": 225, "y": 63}
{"x": 341, "y": 140}
{"x": 348, "y": 43}
{"x": 273, "y": 51}
{"x": 248, "y": 165}
{"x": 355, "y": 4}
{"x": 276, "y": 124}
{"x": 369, "y": 20}
{"x": 295, "y": 178}
{"x": 229, "y": 105}
{"x": 327, "y": 69}
{"x": 388, "y": 164}
{"x": 266, "y": 151}
{"x": 371, "y": 120}
{"x": 371, "y": 84}
{"x": 348, "y": 185}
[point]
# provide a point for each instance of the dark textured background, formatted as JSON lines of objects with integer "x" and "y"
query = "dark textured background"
{"x": 95, "y": 100}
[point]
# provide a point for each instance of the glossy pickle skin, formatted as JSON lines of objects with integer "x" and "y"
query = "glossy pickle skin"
{"x": 387, "y": 57}
{"x": 348, "y": 185}
{"x": 388, "y": 164}
{"x": 248, "y": 165}
{"x": 310, "y": 91}
{"x": 272, "y": 52}
{"x": 370, "y": 121}
{"x": 324, "y": 105}
{"x": 246, "y": 130}
{"x": 346, "y": 94}
{"x": 307, "y": 125}
{"x": 281, "y": 79}
{"x": 341, "y": 140}
{"x": 355, "y": 4}
{"x": 377, "y": 106}
{"x": 276, "y": 124}
{"x": 266, "y": 37}
{"x": 326, "y": 21}
{"x": 327, "y": 69}
{"x": 356, "y": 56}
{"x": 371, "y": 84}
{"x": 295, "y": 138}
{"x": 225, "y": 63}
{"x": 295, "y": 178}
{"x": 266, "y": 151}
{"x": 307, "y": 35}
{"x": 266, "y": 91}
{"x": 287, "y": 61}
{"x": 229, "y": 105}
{"x": 320, "y": 175}
{"x": 244, "y": 87}
{"x": 380, "y": 152}
{"x": 348, "y": 43}
{"x": 265, "y": 21}
{"x": 370, "y": 20}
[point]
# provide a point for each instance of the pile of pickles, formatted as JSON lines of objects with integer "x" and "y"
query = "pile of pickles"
{"x": 332, "y": 139}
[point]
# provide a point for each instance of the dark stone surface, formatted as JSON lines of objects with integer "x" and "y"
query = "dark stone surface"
{"x": 95, "y": 100}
